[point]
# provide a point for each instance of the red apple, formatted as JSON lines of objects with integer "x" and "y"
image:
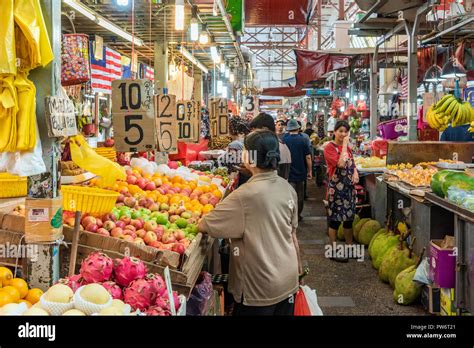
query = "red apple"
{"x": 150, "y": 225}
{"x": 151, "y": 186}
{"x": 70, "y": 221}
{"x": 99, "y": 222}
{"x": 154, "y": 207}
{"x": 88, "y": 220}
{"x": 124, "y": 191}
{"x": 120, "y": 198}
{"x": 137, "y": 224}
{"x": 126, "y": 219}
{"x": 103, "y": 232}
{"x": 130, "y": 233}
{"x": 128, "y": 238}
{"x": 203, "y": 200}
{"x": 116, "y": 232}
{"x": 158, "y": 182}
{"x": 109, "y": 142}
{"x": 179, "y": 234}
{"x": 130, "y": 202}
{"x": 173, "y": 218}
{"x": 109, "y": 217}
{"x": 131, "y": 179}
{"x": 192, "y": 221}
{"x": 120, "y": 224}
{"x": 162, "y": 191}
{"x": 214, "y": 200}
{"x": 156, "y": 244}
{"x": 167, "y": 238}
{"x": 141, "y": 233}
{"x": 139, "y": 241}
{"x": 141, "y": 183}
{"x": 130, "y": 227}
{"x": 166, "y": 246}
{"x": 179, "y": 248}
{"x": 109, "y": 225}
{"x": 142, "y": 202}
{"x": 92, "y": 228}
{"x": 150, "y": 237}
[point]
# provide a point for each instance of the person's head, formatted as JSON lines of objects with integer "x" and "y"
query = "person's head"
{"x": 280, "y": 126}
{"x": 261, "y": 151}
{"x": 309, "y": 125}
{"x": 341, "y": 130}
{"x": 263, "y": 121}
{"x": 293, "y": 126}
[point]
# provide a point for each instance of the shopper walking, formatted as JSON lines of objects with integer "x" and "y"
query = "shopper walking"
{"x": 301, "y": 161}
{"x": 309, "y": 129}
{"x": 343, "y": 175}
{"x": 280, "y": 129}
{"x": 260, "y": 218}
{"x": 266, "y": 121}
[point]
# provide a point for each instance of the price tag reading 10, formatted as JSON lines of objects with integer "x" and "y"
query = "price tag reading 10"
{"x": 133, "y": 115}
{"x": 166, "y": 123}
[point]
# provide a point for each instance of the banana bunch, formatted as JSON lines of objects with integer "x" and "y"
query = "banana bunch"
{"x": 82, "y": 121}
{"x": 448, "y": 110}
{"x": 471, "y": 128}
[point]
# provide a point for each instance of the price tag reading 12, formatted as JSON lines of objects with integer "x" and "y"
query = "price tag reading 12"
{"x": 166, "y": 123}
{"x": 133, "y": 115}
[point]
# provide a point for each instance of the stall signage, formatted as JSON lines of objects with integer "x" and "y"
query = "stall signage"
{"x": 249, "y": 106}
{"x": 188, "y": 121}
{"x": 218, "y": 117}
{"x": 61, "y": 120}
{"x": 166, "y": 123}
{"x": 133, "y": 115}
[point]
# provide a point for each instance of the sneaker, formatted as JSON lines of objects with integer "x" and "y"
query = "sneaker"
{"x": 340, "y": 259}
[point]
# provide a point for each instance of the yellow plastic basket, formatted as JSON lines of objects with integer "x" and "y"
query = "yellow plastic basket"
{"x": 90, "y": 200}
{"x": 12, "y": 186}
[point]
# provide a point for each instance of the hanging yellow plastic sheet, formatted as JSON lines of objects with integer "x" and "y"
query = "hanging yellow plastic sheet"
{"x": 26, "y": 115}
{"x": 7, "y": 46}
{"x": 34, "y": 36}
{"x": 8, "y": 111}
{"x": 86, "y": 158}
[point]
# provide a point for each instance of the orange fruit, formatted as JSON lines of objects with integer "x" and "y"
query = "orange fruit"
{"x": 28, "y": 303}
{"x": 13, "y": 292}
{"x": 5, "y": 276}
{"x": 217, "y": 193}
{"x": 21, "y": 285}
{"x": 195, "y": 202}
{"x": 207, "y": 208}
{"x": 5, "y": 298}
{"x": 34, "y": 295}
{"x": 175, "y": 199}
{"x": 212, "y": 187}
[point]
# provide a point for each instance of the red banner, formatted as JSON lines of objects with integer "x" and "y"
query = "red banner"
{"x": 286, "y": 12}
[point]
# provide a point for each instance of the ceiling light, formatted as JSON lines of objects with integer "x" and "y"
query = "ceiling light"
{"x": 355, "y": 97}
{"x": 453, "y": 69}
{"x": 116, "y": 30}
{"x": 224, "y": 91}
{"x": 204, "y": 36}
{"x": 219, "y": 86}
{"x": 433, "y": 74}
{"x": 231, "y": 77}
{"x": 194, "y": 26}
{"x": 362, "y": 96}
{"x": 223, "y": 67}
{"x": 84, "y": 10}
{"x": 179, "y": 15}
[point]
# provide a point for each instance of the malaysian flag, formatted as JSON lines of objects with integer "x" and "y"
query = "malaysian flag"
{"x": 404, "y": 90}
{"x": 149, "y": 73}
{"x": 104, "y": 71}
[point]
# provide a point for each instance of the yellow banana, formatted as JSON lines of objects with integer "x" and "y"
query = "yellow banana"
{"x": 446, "y": 103}
{"x": 442, "y": 100}
{"x": 452, "y": 106}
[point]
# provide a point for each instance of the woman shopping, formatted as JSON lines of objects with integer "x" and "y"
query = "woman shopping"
{"x": 342, "y": 176}
{"x": 260, "y": 219}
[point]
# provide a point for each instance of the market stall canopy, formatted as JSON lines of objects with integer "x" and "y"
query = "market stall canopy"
{"x": 287, "y": 92}
{"x": 286, "y": 12}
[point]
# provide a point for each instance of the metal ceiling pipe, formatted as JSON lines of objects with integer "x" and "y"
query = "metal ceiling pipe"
{"x": 371, "y": 10}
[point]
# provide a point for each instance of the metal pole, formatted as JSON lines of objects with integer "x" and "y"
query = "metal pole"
{"x": 319, "y": 11}
{"x": 373, "y": 94}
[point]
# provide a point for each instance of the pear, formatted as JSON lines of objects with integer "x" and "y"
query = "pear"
{"x": 406, "y": 290}
{"x": 368, "y": 231}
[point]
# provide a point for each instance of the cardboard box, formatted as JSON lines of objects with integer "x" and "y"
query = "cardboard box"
{"x": 448, "y": 304}
{"x": 442, "y": 263}
{"x": 43, "y": 221}
{"x": 430, "y": 298}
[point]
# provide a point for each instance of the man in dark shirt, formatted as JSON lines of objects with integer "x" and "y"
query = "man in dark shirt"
{"x": 309, "y": 129}
{"x": 458, "y": 134}
{"x": 301, "y": 166}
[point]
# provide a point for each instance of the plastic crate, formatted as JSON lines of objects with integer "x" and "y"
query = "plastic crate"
{"x": 88, "y": 199}
{"x": 12, "y": 186}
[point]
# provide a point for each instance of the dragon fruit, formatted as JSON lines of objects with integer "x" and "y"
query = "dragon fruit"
{"x": 163, "y": 301}
{"x": 74, "y": 281}
{"x": 114, "y": 290}
{"x": 139, "y": 295}
{"x": 97, "y": 268}
{"x": 129, "y": 269}
{"x": 157, "y": 311}
{"x": 159, "y": 286}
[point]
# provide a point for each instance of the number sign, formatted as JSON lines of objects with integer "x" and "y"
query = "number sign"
{"x": 166, "y": 123}
{"x": 249, "y": 106}
{"x": 220, "y": 126}
{"x": 213, "y": 117}
{"x": 60, "y": 117}
{"x": 133, "y": 115}
{"x": 188, "y": 121}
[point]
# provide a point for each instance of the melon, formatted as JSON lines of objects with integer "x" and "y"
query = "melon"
{"x": 95, "y": 293}
{"x": 59, "y": 293}
{"x": 368, "y": 230}
{"x": 112, "y": 310}
{"x": 459, "y": 180}
{"x": 358, "y": 227}
{"x": 381, "y": 232}
{"x": 406, "y": 289}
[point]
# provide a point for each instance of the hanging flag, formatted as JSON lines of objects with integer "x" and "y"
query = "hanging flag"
{"x": 114, "y": 63}
{"x": 104, "y": 71}
{"x": 404, "y": 91}
{"x": 149, "y": 73}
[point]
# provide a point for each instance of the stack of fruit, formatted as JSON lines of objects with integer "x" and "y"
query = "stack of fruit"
{"x": 370, "y": 162}
{"x": 15, "y": 291}
{"x": 449, "y": 109}
{"x": 417, "y": 176}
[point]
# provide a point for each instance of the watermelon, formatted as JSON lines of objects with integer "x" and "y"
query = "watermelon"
{"x": 437, "y": 181}
{"x": 459, "y": 180}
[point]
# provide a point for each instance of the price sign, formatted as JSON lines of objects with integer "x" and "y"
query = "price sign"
{"x": 188, "y": 121}
{"x": 61, "y": 121}
{"x": 213, "y": 117}
{"x": 133, "y": 115}
{"x": 198, "y": 112}
{"x": 166, "y": 123}
{"x": 222, "y": 117}
{"x": 250, "y": 106}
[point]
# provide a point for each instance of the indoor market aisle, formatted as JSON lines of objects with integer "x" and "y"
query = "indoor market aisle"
{"x": 351, "y": 288}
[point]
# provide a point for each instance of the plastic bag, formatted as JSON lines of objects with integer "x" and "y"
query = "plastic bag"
{"x": 7, "y": 33}
{"x": 86, "y": 158}
{"x": 198, "y": 302}
{"x": 301, "y": 305}
{"x": 312, "y": 300}
{"x": 422, "y": 272}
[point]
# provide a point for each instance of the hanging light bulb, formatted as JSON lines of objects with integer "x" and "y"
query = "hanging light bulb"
{"x": 219, "y": 86}
{"x": 355, "y": 97}
{"x": 204, "y": 36}
{"x": 194, "y": 25}
{"x": 347, "y": 94}
{"x": 179, "y": 15}
{"x": 231, "y": 77}
{"x": 362, "y": 96}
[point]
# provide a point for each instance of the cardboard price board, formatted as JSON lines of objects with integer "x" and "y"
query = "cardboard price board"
{"x": 61, "y": 120}
{"x": 249, "y": 105}
{"x": 133, "y": 115}
{"x": 166, "y": 123}
{"x": 219, "y": 118}
{"x": 188, "y": 121}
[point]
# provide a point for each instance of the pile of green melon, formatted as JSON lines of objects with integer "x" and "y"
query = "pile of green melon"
{"x": 363, "y": 230}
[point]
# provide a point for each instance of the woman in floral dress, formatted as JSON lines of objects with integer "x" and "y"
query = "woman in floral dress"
{"x": 342, "y": 175}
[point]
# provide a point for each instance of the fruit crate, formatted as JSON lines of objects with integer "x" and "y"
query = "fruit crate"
{"x": 88, "y": 199}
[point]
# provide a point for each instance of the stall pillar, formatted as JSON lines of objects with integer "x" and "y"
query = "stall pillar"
{"x": 197, "y": 85}
{"x": 43, "y": 271}
{"x": 161, "y": 67}
{"x": 373, "y": 94}
{"x": 412, "y": 81}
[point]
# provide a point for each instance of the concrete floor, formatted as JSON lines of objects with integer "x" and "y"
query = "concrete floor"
{"x": 351, "y": 288}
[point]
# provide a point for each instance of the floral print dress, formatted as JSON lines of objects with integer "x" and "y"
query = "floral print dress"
{"x": 341, "y": 192}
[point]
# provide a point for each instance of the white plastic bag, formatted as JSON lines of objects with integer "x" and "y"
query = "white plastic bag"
{"x": 312, "y": 300}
